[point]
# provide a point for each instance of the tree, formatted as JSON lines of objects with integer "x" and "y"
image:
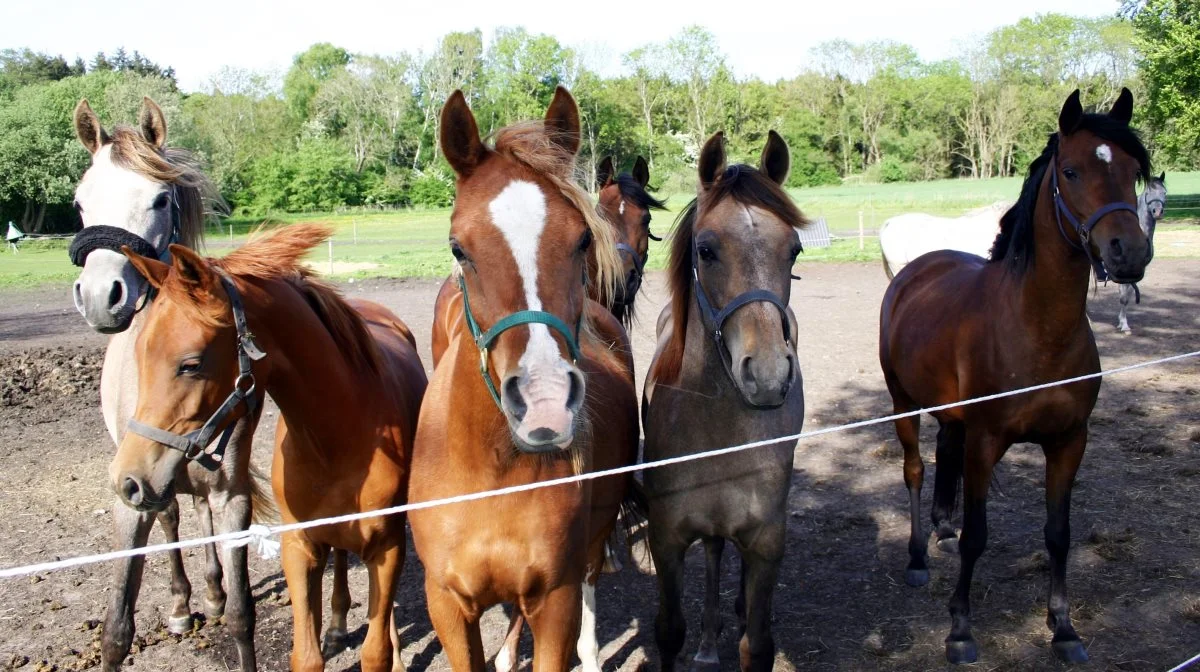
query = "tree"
{"x": 696, "y": 63}
{"x": 309, "y": 69}
{"x": 521, "y": 71}
{"x": 647, "y": 67}
{"x": 1168, "y": 44}
{"x": 367, "y": 101}
{"x": 456, "y": 63}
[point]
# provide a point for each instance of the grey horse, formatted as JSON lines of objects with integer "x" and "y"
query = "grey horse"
{"x": 1151, "y": 205}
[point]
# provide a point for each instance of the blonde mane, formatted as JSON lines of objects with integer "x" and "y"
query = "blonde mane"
{"x": 194, "y": 193}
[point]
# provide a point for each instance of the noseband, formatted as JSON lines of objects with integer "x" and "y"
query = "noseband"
{"x": 112, "y": 238}
{"x": 484, "y": 340}
{"x": 639, "y": 262}
{"x": 194, "y": 445}
{"x": 714, "y": 320}
{"x": 1084, "y": 230}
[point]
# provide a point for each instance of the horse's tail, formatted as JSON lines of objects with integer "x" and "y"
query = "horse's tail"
{"x": 635, "y": 525}
{"x": 262, "y": 503}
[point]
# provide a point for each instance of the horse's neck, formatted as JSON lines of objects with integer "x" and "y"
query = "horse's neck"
{"x": 304, "y": 358}
{"x": 702, "y": 366}
{"x": 1055, "y": 287}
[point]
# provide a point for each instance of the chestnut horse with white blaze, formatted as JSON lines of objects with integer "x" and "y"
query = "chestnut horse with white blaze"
{"x": 348, "y": 382}
{"x": 527, "y": 388}
{"x": 954, "y": 326}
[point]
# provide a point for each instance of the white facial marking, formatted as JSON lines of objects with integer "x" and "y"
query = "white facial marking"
{"x": 520, "y": 214}
{"x": 587, "y": 647}
{"x": 1104, "y": 153}
{"x": 621, "y": 207}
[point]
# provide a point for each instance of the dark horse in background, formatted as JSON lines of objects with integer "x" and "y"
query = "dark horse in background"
{"x": 725, "y": 373}
{"x": 954, "y": 326}
{"x": 626, "y": 204}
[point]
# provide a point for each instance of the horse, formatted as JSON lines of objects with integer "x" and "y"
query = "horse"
{"x": 348, "y": 381}
{"x": 726, "y": 354}
{"x": 953, "y": 326}
{"x": 1150, "y": 208}
{"x": 534, "y": 382}
{"x": 141, "y": 193}
{"x": 625, "y": 203}
{"x": 905, "y": 237}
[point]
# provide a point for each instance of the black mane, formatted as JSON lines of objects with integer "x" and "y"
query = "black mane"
{"x": 1014, "y": 243}
{"x": 632, "y": 190}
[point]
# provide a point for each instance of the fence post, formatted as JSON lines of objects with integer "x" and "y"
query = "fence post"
{"x": 330, "y": 256}
{"x": 354, "y": 223}
{"x": 860, "y": 230}
{"x": 231, "y": 233}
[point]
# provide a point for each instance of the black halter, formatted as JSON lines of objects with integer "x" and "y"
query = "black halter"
{"x": 194, "y": 445}
{"x": 1084, "y": 230}
{"x": 639, "y": 262}
{"x": 714, "y": 320}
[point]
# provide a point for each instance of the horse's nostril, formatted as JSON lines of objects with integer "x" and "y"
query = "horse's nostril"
{"x": 511, "y": 397}
{"x": 131, "y": 491}
{"x": 1116, "y": 247}
{"x": 78, "y": 294}
{"x": 116, "y": 294}
{"x": 575, "y": 393}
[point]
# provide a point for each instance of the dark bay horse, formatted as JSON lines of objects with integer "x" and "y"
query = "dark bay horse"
{"x": 626, "y": 204}
{"x": 141, "y": 192}
{"x": 527, "y": 387}
{"x": 348, "y": 382}
{"x": 725, "y": 373}
{"x": 954, "y": 326}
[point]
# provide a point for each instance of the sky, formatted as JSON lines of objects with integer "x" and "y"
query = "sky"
{"x": 198, "y": 37}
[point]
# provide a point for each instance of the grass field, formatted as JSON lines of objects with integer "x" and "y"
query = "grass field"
{"x": 412, "y": 243}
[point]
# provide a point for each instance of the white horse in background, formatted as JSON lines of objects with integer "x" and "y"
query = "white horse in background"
{"x": 905, "y": 237}
{"x": 1151, "y": 205}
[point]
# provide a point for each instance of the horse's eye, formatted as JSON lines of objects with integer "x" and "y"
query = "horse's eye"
{"x": 1070, "y": 174}
{"x": 189, "y": 367}
{"x": 457, "y": 251}
{"x": 161, "y": 201}
{"x": 796, "y": 251}
{"x": 707, "y": 253}
{"x": 646, "y": 220}
{"x": 586, "y": 241}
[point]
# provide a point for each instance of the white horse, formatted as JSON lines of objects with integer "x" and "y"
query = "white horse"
{"x": 1151, "y": 205}
{"x": 141, "y": 194}
{"x": 905, "y": 237}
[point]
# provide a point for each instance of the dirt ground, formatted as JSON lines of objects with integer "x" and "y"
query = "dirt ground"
{"x": 841, "y": 602}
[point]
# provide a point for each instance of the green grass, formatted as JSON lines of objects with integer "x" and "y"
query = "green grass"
{"x": 412, "y": 243}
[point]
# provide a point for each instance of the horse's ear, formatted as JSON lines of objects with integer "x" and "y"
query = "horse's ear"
{"x": 562, "y": 121}
{"x": 1122, "y": 110}
{"x": 153, "y": 123}
{"x": 641, "y": 172}
{"x": 87, "y": 127}
{"x": 776, "y": 160}
{"x": 460, "y": 136}
{"x": 712, "y": 159}
{"x": 191, "y": 268}
{"x": 154, "y": 271}
{"x": 604, "y": 173}
{"x": 1071, "y": 114}
{"x": 1163, "y": 177}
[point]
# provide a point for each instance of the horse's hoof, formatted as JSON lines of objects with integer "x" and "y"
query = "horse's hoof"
{"x": 1070, "y": 651}
{"x": 214, "y": 610}
{"x": 962, "y": 652}
{"x": 179, "y": 625}
{"x": 705, "y": 661}
{"x": 948, "y": 545}
{"x": 916, "y": 577}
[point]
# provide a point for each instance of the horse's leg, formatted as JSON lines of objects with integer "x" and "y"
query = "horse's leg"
{"x": 908, "y": 430}
{"x": 1126, "y": 292}
{"x": 670, "y": 627}
{"x": 394, "y": 633}
{"x": 303, "y": 564}
{"x": 587, "y": 647}
{"x": 382, "y": 571}
{"x": 233, "y": 515}
{"x": 506, "y": 658}
{"x": 947, "y": 475}
{"x": 180, "y": 620}
{"x": 981, "y": 455}
{"x": 555, "y": 626}
{"x": 710, "y": 620}
{"x": 458, "y": 634}
{"x": 1062, "y": 462}
{"x": 761, "y": 561}
{"x": 131, "y": 529}
{"x": 339, "y": 602}
{"x": 214, "y": 600}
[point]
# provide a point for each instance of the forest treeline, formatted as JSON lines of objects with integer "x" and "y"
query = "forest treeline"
{"x": 340, "y": 128}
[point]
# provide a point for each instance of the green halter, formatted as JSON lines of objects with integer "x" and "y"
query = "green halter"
{"x": 483, "y": 340}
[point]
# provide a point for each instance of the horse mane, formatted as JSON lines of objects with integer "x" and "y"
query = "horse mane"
{"x": 632, "y": 190}
{"x": 195, "y": 195}
{"x": 744, "y": 184}
{"x": 1014, "y": 244}
{"x": 278, "y": 256}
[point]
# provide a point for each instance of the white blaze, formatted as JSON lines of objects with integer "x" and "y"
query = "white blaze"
{"x": 1104, "y": 153}
{"x": 621, "y": 207}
